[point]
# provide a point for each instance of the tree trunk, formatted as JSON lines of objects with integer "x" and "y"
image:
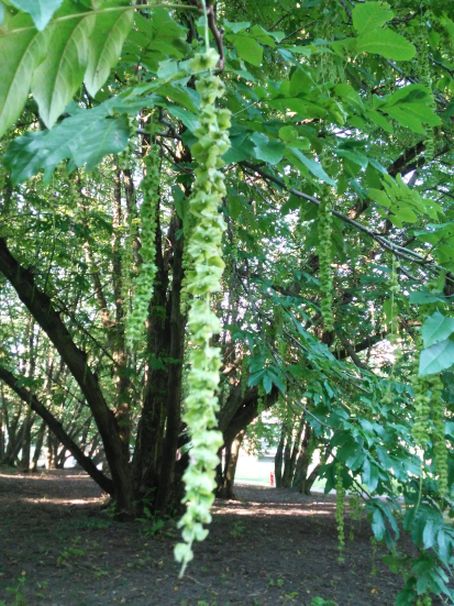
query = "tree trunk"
{"x": 175, "y": 370}
{"x": 148, "y": 450}
{"x": 278, "y": 459}
{"x": 288, "y": 467}
{"x": 38, "y": 445}
{"x": 232, "y": 451}
{"x": 26, "y": 438}
{"x": 307, "y": 448}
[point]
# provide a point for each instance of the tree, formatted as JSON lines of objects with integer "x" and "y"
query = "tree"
{"x": 334, "y": 194}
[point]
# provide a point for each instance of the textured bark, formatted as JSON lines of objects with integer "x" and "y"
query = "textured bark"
{"x": 174, "y": 370}
{"x": 278, "y": 459}
{"x": 231, "y": 451}
{"x": 307, "y": 447}
{"x": 38, "y": 445}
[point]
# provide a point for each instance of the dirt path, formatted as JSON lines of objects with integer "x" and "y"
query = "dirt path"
{"x": 267, "y": 548}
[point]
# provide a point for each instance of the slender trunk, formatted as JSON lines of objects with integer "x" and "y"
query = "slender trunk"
{"x": 51, "y": 451}
{"x": 288, "y": 468}
{"x": 175, "y": 371}
{"x": 232, "y": 451}
{"x": 305, "y": 454}
{"x": 26, "y": 438}
{"x": 38, "y": 445}
{"x": 2, "y": 425}
{"x": 278, "y": 459}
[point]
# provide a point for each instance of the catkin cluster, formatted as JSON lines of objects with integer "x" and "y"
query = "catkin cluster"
{"x": 144, "y": 281}
{"x": 429, "y": 424}
{"x": 421, "y": 402}
{"x": 325, "y": 228}
{"x": 203, "y": 278}
{"x": 440, "y": 453}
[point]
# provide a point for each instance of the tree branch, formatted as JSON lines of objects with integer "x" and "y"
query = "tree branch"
{"x": 395, "y": 249}
{"x": 41, "y": 308}
{"x": 56, "y": 427}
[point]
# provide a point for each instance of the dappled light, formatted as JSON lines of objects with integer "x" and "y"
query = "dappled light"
{"x": 53, "y": 527}
{"x": 226, "y": 302}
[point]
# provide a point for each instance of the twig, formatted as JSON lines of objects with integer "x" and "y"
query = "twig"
{"x": 396, "y": 249}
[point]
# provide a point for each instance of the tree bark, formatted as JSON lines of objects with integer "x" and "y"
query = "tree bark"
{"x": 278, "y": 457}
{"x": 232, "y": 451}
{"x": 41, "y": 308}
{"x": 175, "y": 369}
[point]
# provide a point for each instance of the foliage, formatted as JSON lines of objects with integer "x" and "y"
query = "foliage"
{"x": 298, "y": 234}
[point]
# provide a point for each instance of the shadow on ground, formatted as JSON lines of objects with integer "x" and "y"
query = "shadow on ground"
{"x": 268, "y": 547}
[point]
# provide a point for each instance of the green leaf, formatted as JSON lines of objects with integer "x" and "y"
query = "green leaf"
{"x": 428, "y": 535}
{"x": 237, "y": 26}
{"x": 304, "y": 107}
{"x": 262, "y": 36}
{"x": 371, "y": 15}
{"x": 423, "y": 297}
{"x": 436, "y": 358}
{"x": 412, "y": 93}
{"x": 348, "y": 94}
{"x": 23, "y": 50}
{"x": 248, "y": 48}
{"x": 235, "y": 203}
{"x": 41, "y": 11}
{"x": 300, "y": 82}
{"x": 155, "y": 39}
{"x": 314, "y": 167}
{"x": 370, "y": 475}
{"x": 61, "y": 73}
{"x": 404, "y": 118}
{"x": 378, "y": 524}
{"x": 83, "y": 139}
{"x": 387, "y": 43}
{"x": 267, "y": 383}
{"x": 266, "y": 150}
{"x": 189, "y": 119}
{"x": 106, "y": 42}
{"x": 380, "y": 120}
{"x": 437, "y": 328}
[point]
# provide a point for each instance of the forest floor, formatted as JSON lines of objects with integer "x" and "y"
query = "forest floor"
{"x": 269, "y": 547}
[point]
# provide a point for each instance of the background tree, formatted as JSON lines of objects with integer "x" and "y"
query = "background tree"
{"x": 338, "y": 213}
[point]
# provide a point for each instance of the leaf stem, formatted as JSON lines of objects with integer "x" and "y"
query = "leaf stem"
{"x": 206, "y": 25}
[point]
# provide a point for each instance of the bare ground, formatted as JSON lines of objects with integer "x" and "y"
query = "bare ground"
{"x": 269, "y": 547}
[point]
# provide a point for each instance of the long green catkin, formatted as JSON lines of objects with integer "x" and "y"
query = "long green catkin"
{"x": 203, "y": 278}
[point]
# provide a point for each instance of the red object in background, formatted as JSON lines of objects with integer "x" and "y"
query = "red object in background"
{"x": 271, "y": 478}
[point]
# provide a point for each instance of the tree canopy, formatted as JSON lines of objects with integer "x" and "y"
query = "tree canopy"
{"x": 213, "y": 209}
